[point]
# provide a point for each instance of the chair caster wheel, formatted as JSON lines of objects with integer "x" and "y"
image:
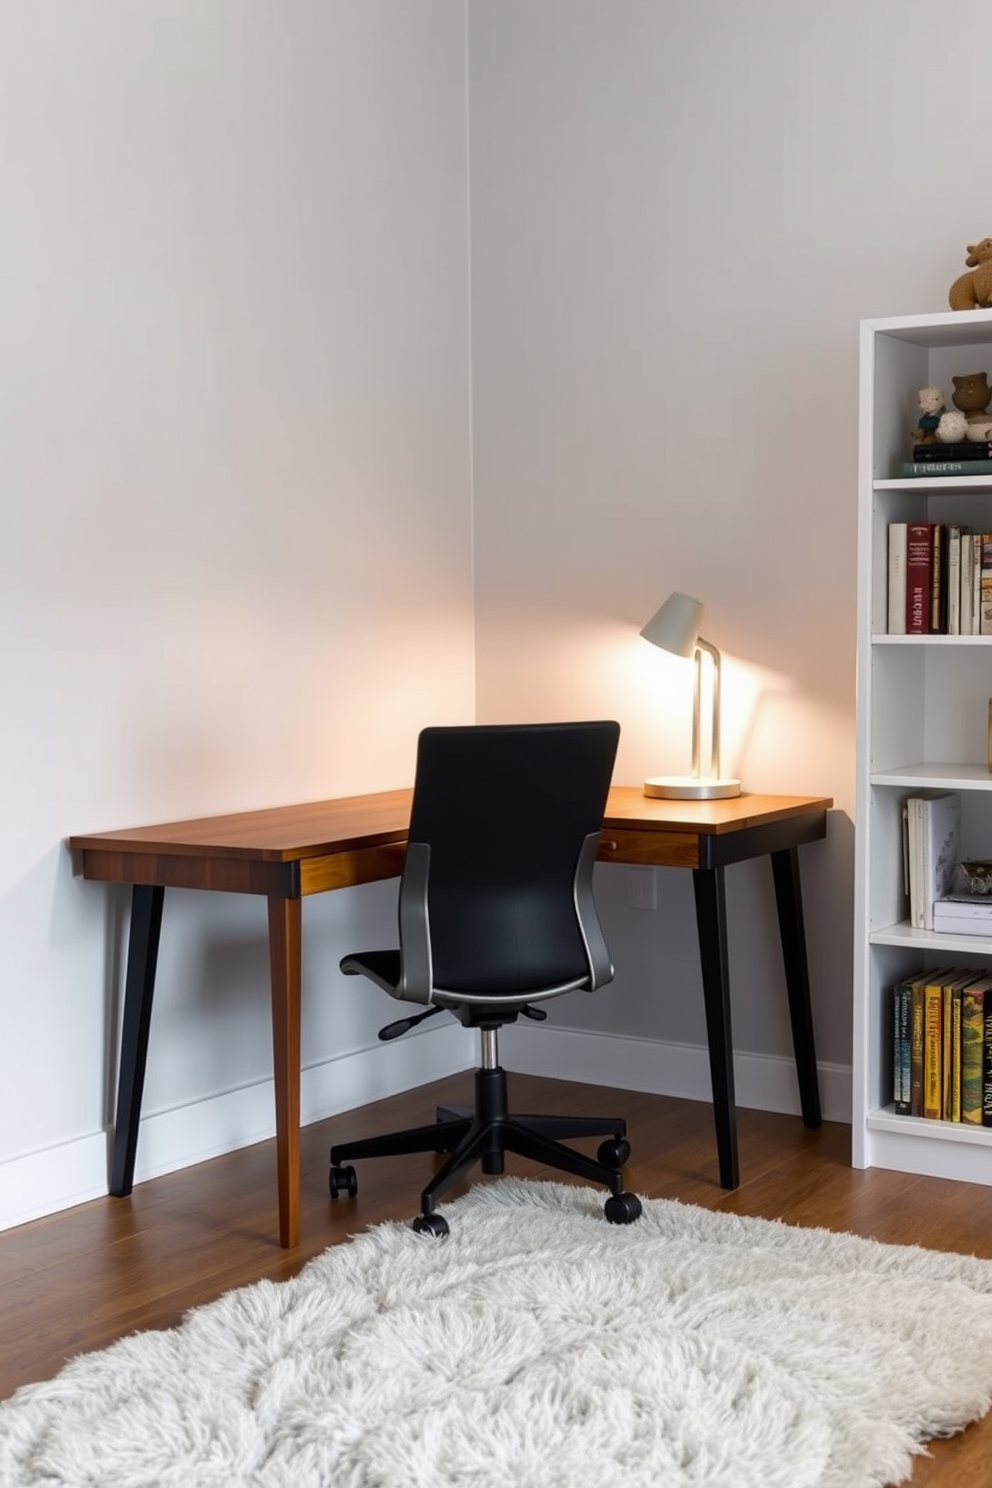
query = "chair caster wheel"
{"x": 343, "y": 1180}
{"x": 623, "y": 1208}
{"x": 614, "y": 1152}
{"x": 431, "y": 1224}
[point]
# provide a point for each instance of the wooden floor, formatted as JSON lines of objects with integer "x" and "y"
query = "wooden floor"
{"x": 75, "y": 1281}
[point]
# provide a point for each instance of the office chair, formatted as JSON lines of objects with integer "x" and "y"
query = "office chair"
{"x": 496, "y": 915}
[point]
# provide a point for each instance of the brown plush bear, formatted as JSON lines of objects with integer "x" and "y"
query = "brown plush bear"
{"x": 972, "y": 396}
{"x": 973, "y": 291}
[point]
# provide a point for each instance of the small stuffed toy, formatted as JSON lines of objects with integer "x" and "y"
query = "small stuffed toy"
{"x": 973, "y": 291}
{"x": 953, "y": 427}
{"x": 931, "y": 401}
{"x": 972, "y": 395}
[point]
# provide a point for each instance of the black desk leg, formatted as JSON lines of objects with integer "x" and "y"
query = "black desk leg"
{"x": 139, "y": 985}
{"x": 789, "y": 900}
{"x": 711, "y": 925}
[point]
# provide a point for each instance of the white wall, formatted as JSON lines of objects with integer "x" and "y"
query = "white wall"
{"x": 679, "y": 215}
{"x": 234, "y": 413}
{"x": 235, "y": 525}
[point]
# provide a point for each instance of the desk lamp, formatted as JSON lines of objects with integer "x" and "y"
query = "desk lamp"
{"x": 675, "y": 628}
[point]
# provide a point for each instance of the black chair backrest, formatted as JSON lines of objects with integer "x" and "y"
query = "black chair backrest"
{"x": 506, "y": 810}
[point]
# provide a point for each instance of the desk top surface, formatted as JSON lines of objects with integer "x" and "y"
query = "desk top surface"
{"x": 285, "y": 833}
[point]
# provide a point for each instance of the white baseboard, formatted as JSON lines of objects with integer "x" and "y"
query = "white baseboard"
{"x": 71, "y": 1173}
{"x": 762, "y": 1082}
{"x": 39, "y": 1183}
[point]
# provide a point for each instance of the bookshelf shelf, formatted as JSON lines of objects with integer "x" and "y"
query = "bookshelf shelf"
{"x": 946, "y": 777}
{"x": 881, "y": 638}
{"x": 922, "y": 725}
{"x": 940, "y": 1131}
{"x": 903, "y": 934}
{"x": 937, "y": 485}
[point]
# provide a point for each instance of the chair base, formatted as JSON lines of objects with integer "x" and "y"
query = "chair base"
{"x": 486, "y": 1134}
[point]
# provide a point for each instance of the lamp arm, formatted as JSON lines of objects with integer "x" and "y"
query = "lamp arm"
{"x": 697, "y": 703}
{"x": 711, "y": 651}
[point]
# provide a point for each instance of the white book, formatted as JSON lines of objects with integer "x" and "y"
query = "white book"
{"x": 953, "y": 579}
{"x": 914, "y": 840}
{"x": 964, "y": 907}
{"x": 941, "y": 848}
{"x": 950, "y": 918}
{"x": 897, "y": 578}
{"x": 967, "y": 581}
{"x": 934, "y": 822}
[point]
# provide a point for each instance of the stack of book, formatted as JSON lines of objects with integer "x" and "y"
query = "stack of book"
{"x": 971, "y": 457}
{"x": 931, "y": 840}
{"x": 942, "y": 1048}
{"x": 939, "y": 579}
{"x": 963, "y": 914}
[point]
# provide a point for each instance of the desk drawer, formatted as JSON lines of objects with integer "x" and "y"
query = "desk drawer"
{"x": 661, "y": 849}
{"x": 342, "y": 869}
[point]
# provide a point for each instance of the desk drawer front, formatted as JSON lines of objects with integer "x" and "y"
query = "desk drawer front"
{"x": 176, "y": 871}
{"x": 661, "y": 849}
{"x": 340, "y": 870}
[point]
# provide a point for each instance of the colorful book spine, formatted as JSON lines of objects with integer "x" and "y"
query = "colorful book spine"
{"x": 978, "y": 542}
{"x": 952, "y": 1108}
{"x": 941, "y": 454}
{"x": 985, "y": 587}
{"x": 987, "y": 1064}
{"x": 933, "y": 1046}
{"x": 946, "y": 1053}
{"x": 972, "y": 1043}
{"x": 901, "y": 1072}
{"x": 938, "y": 578}
{"x": 918, "y": 560}
{"x": 929, "y": 469}
{"x": 917, "y": 1040}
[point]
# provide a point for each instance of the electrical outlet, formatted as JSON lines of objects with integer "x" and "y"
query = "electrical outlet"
{"x": 642, "y": 889}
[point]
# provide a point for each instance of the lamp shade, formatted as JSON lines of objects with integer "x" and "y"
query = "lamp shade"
{"x": 675, "y": 627}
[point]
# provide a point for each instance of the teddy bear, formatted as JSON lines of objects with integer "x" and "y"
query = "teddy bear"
{"x": 972, "y": 396}
{"x": 931, "y": 401}
{"x": 973, "y": 291}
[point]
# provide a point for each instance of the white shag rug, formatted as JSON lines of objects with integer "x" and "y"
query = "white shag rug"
{"x": 536, "y": 1347}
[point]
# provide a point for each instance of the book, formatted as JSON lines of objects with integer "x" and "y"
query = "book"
{"x": 933, "y": 1051}
{"x": 902, "y": 1014}
{"x": 984, "y": 626}
{"x": 934, "y": 827}
{"x": 978, "y": 541}
{"x": 987, "y": 1062}
{"x": 916, "y": 1039}
{"x": 967, "y": 582}
{"x": 953, "y": 578}
{"x": 930, "y": 468}
{"x": 965, "y": 450}
{"x": 951, "y": 1068}
{"x": 963, "y": 914}
{"x": 938, "y": 578}
{"x": 942, "y": 1046}
{"x": 914, "y": 855}
{"x": 897, "y": 578}
{"x": 972, "y": 1048}
{"x": 918, "y": 559}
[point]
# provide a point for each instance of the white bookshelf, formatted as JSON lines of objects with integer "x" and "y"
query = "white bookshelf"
{"x": 922, "y": 722}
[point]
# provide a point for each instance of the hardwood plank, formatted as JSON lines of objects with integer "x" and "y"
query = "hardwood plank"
{"x": 76, "y": 1281}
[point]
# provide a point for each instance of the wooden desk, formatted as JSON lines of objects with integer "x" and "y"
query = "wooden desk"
{"x": 286, "y": 853}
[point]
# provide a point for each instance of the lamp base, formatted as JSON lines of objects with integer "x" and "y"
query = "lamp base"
{"x": 692, "y": 787}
